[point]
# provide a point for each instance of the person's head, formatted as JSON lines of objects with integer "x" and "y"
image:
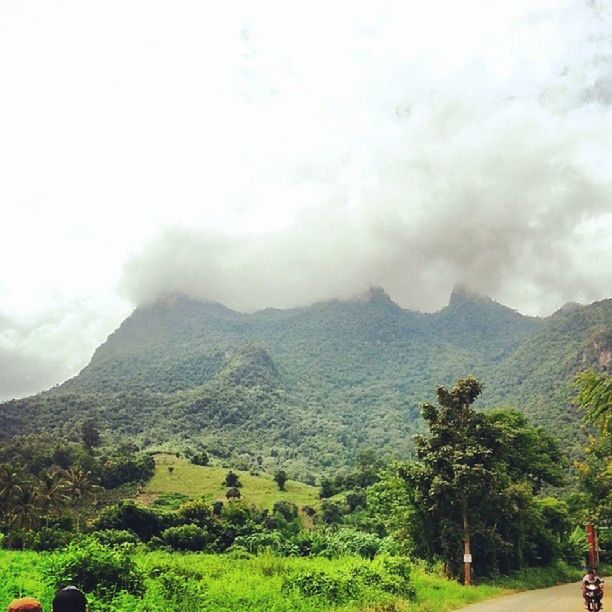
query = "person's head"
{"x": 591, "y": 571}
{"x": 25, "y": 604}
{"x": 70, "y": 599}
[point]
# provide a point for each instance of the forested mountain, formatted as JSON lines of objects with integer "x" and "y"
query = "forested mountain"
{"x": 308, "y": 387}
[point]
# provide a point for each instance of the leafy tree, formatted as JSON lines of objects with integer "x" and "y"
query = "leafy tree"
{"x": 80, "y": 488}
{"x": 200, "y": 458}
{"x": 472, "y": 488}
{"x": 456, "y": 471}
{"x": 595, "y": 469}
{"x": 280, "y": 477}
{"x": 232, "y": 480}
{"x": 595, "y": 398}
{"x": 52, "y": 492}
{"x": 233, "y": 493}
{"x": 326, "y": 489}
{"x": 90, "y": 435}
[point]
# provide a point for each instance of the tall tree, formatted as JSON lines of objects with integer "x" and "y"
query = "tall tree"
{"x": 90, "y": 434}
{"x": 595, "y": 469}
{"x": 595, "y": 398}
{"x": 472, "y": 488}
{"x": 280, "y": 477}
{"x": 456, "y": 468}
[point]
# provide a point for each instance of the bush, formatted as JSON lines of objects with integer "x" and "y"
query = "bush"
{"x": 115, "y": 537}
{"x": 186, "y": 537}
{"x": 350, "y": 542}
{"x": 94, "y": 568}
{"x": 196, "y": 511}
{"x": 200, "y": 458}
{"x": 233, "y": 493}
{"x": 389, "y": 574}
{"x": 288, "y": 510}
{"x": 119, "y": 469}
{"x": 144, "y": 522}
{"x": 334, "y": 587}
{"x": 232, "y": 480}
{"x": 183, "y": 591}
{"x": 46, "y": 539}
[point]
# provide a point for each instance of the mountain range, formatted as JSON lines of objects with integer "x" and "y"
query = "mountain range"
{"x": 307, "y": 388}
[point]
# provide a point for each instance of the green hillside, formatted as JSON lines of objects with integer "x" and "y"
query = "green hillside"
{"x": 307, "y": 388}
{"x": 207, "y": 481}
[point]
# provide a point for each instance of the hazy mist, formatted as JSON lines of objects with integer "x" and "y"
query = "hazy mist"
{"x": 267, "y": 154}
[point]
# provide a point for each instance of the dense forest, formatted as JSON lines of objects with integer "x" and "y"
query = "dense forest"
{"x": 306, "y": 389}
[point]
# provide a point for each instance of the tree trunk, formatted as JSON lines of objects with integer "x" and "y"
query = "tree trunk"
{"x": 467, "y": 552}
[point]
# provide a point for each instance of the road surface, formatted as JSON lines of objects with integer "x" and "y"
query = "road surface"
{"x": 564, "y": 598}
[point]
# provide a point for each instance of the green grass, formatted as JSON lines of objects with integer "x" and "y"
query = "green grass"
{"x": 234, "y": 583}
{"x": 196, "y": 481}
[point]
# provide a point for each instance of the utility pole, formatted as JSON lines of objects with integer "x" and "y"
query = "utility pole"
{"x": 592, "y": 540}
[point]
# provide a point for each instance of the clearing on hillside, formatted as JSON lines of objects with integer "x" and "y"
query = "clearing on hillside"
{"x": 176, "y": 475}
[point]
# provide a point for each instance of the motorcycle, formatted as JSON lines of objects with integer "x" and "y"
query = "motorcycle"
{"x": 593, "y": 597}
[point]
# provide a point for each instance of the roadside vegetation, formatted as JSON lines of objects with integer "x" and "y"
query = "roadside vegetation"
{"x": 380, "y": 536}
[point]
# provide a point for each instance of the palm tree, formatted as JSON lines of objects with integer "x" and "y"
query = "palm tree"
{"x": 80, "y": 488}
{"x": 52, "y": 492}
{"x": 26, "y": 511}
{"x": 11, "y": 486}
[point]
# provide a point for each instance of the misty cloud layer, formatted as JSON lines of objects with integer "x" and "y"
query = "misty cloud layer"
{"x": 276, "y": 154}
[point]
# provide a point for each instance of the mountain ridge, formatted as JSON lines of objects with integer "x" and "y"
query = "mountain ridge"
{"x": 307, "y": 387}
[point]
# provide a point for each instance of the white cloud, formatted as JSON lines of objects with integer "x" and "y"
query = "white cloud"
{"x": 318, "y": 147}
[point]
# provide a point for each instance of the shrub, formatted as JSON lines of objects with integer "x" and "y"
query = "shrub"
{"x": 233, "y": 493}
{"x": 186, "y": 537}
{"x": 287, "y": 510}
{"x": 232, "y": 480}
{"x": 119, "y": 469}
{"x": 144, "y": 522}
{"x": 334, "y": 587}
{"x": 350, "y": 542}
{"x": 115, "y": 537}
{"x": 46, "y": 539}
{"x": 280, "y": 477}
{"x": 94, "y": 568}
{"x": 196, "y": 511}
{"x": 184, "y": 592}
{"x": 200, "y": 458}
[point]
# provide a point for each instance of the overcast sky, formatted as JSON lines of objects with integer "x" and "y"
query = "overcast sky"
{"x": 278, "y": 153}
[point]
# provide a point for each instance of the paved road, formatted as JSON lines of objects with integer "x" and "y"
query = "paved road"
{"x": 564, "y": 598}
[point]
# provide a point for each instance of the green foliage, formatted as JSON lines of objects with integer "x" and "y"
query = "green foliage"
{"x": 200, "y": 458}
{"x": 351, "y": 542}
{"x": 232, "y": 480}
{"x": 280, "y": 477}
{"x": 595, "y": 468}
{"x": 47, "y": 539}
{"x": 595, "y": 398}
{"x": 304, "y": 390}
{"x": 392, "y": 575}
{"x": 474, "y": 483}
{"x": 119, "y": 469}
{"x": 186, "y": 537}
{"x": 95, "y": 568}
{"x": 233, "y": 493}
{"x": 114, "y": 537}
{"x": 128, "y": 516}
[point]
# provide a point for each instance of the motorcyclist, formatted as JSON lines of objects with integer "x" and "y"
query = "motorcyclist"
{"x": 591, "y": 577}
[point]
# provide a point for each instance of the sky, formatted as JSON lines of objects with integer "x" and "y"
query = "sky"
{"x": 281, "y": 153}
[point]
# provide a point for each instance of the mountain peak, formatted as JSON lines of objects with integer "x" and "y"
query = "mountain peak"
{"x": 463, "y": 293}
{"x": 374, "y": 295}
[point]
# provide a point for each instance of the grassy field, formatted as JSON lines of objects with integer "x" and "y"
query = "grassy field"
{"x": 225, "y": 583}
{"x": 176, "y": 475}
{"x": 263, "y": 583}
